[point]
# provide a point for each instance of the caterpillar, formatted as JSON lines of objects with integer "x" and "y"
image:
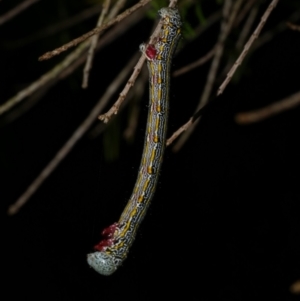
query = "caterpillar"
{"x": 117, "y": 238}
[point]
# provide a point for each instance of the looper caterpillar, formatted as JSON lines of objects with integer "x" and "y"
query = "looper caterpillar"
{"x": 113, "y": 249}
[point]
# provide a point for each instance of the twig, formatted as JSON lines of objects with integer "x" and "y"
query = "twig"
{"x": 195, "y": 64}
{"x": 247, "y": 46}
{"x": 268, "y": 111}
{"x": 94, "y": 40}
{"x": 244, "y": 33}
{"x": 243, "y": 12}
{"x": 114, "y": 109}
{"x": 116, "y": 8}
{"x": 295, "y": 288}
{"x": 16, "y": 10}
{"x": 59, "y": 26}
{"x": 211, "y": 20}
{"x": 79, "y": 132}
{"x": 134, "y": 114}
{"x": 293, "y": 26}
{"x": 96, "y": 30}
{"x": 52, "y": 74}
{"x": 182, "y": 129}
{"x": 246, "y": 28}
{"x": 226, "y": 25}
{"x": 257, "y": 31}
{"x": 68, "y": 65}
{"x": 136, "y": 93}
{"x": 269, "y": 35}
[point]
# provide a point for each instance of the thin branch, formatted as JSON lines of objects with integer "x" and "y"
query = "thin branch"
{"x": 114, "y": 109}
{"x": 229, "y": 16}
{"x": 69, "y": 64}
{"x": 247, "y": 46}
{"x": 244, "y": 33}
{"x": 116, "y": 8}
{"x": 270, "y": 34}
{"x": 139, "y": 89}
{"x": 293, "y": 26}
{"x": 202, "y": 60}
{"x": 244, "y": 12}
{"x": 211, "y": 20}
{"x": 246, "y": 28}
{"x": 56, "y": 27}
{"x": 79, "y": 132}
{"x": 249, "y": 43}
{"x": 16, "y": 10}
{"x": 135, "y": 93}
{"x": 94, "y": 40}
{"x": 295, "y": 287}
{"x": 182, "y": 129}
{"x": 96, "y": 30}
{"x": 269, "y": 111}
{"x": 48, "y": 76}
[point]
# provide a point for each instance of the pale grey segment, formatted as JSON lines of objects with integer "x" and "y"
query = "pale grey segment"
{"x": 102, "y": 263}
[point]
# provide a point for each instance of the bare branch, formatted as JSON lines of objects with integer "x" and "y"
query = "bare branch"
{"x": 182, "y": 129}
{"x": 248, "y": 45}
{"x": 48, "y": 76}
{"x": 114, "y": 109}
{"x": 94, "y": 40}
{"x": 244, "y": 12}
{"x": 57, "y": 27}
{"x": 269, "y": 111}
{"x": 295, "y": 287}
{"x": 69, "y": 64}
{"x": 139, "y": 89}
{"x": 79, "y": 132}
{"x": 246, "y": 28}
{"x": 270, "y": 34}
{"x": 229, "y": 16}
{"x": 195, "y": 64}
{"x": 293, "y": 26}
{"x": 16, "y": 10}
{"x": 244, "y": 33}
{"x": 96, "y": 30}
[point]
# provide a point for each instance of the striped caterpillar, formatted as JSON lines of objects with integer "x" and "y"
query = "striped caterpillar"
{"x": 117, "y": 238}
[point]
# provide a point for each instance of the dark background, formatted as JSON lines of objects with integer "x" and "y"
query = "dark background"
{"x": 224, "y": 222}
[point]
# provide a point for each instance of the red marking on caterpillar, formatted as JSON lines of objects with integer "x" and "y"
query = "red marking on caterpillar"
{"x": 151, "y": 52}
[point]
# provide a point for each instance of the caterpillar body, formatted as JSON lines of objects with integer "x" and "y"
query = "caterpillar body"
{"x": 117, "y": 238}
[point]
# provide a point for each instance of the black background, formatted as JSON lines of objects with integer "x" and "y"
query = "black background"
{"x": 224, "y": 222}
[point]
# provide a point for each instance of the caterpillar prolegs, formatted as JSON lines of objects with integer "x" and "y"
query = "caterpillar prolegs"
{"x": 117, "y": 238}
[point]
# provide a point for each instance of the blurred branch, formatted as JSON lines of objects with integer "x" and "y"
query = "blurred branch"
{"x": 36, "y": 95}
{"x": 293, "y": 26}
{"x": 244, "y": 33}
{"x": 202, "y": 60}
{"x": 269, "y": 111}
{"x": 114, "y": 109}
{"x": 70, "y": 63}
{"x": 16, "y": 10}
{"x": 295, "y": 288}
{"x": 190, "y": 125}
{"x": 229, "y": 15}
{"x": 57, "y": 27}
{"x": 79, "y": 132}
{"x": 253, "y": 37}
{"x": 94, "y": 31}
{"x": 94, "y": 40}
